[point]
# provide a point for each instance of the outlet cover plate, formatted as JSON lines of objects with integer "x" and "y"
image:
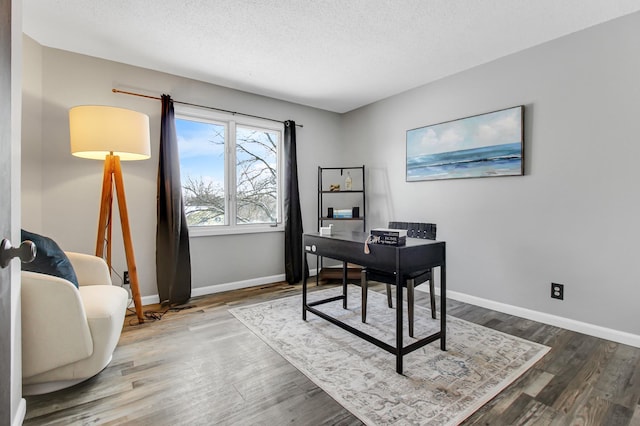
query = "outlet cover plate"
{"x": 557, "y": 291}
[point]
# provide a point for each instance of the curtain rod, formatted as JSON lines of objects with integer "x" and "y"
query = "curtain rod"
{"x": 201, "y": 106}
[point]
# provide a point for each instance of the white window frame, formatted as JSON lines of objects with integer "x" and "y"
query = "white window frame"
{"x": 230, "y": 227}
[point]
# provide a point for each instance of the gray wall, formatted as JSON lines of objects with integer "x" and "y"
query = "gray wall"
{"x": 61, "y": 193}
{"x": 573, "y": 218}
{"x": 31, "y": 179}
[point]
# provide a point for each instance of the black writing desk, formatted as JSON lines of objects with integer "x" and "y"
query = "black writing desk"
{"x": 416, "y": 255}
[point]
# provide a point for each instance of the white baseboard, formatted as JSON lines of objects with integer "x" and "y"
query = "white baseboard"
{"x": 150, "y": 300}
{"x": 567, "y": 323}
{"x": 219, "y": 288}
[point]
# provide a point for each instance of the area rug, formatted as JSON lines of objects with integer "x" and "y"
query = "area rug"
{"x": 437, "y": 388}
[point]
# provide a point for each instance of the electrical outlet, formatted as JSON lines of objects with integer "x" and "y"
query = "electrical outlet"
{"x": 125, "y": 278}
{"x": 557, "y": 291}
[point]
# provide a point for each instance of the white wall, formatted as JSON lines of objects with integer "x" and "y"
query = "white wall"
{"x": 70, "y": 191}
{"x": 572, "y": 219}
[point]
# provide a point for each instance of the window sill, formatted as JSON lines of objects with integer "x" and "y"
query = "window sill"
{"x": 211, "y": 231}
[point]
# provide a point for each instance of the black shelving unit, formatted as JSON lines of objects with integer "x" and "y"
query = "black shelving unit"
{"x": 341, "y": 198}
{"x": 323, "y": 192}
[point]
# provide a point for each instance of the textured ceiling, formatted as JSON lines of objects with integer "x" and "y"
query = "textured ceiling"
{"x": 336, "y": 55}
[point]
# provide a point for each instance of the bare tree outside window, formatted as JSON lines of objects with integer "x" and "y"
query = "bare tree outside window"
{"x": 204, "y": 202}
{"x": 254, "y": 193}
{"x": 256, "y": 178}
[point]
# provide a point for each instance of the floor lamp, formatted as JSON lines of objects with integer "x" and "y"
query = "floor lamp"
{"x": 112, "y": 134}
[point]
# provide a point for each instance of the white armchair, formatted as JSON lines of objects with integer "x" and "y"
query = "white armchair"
{"x": 69, "y": 334}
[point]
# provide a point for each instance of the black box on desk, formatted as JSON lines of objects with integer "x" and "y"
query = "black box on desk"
{"x": 392, "y": 237}
{"x": 390, "y": 241}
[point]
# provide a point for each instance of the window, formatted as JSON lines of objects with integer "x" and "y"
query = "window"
{"x": 230, "y": 172}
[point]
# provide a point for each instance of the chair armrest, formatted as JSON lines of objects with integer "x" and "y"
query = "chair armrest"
{"x": 90, "y": 270}
{"x": 55, "y": 331}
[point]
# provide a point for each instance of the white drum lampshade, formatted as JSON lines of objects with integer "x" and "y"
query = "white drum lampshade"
{"x": 96, "y": 131}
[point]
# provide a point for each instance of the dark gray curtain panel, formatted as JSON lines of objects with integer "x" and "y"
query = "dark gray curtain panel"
{"x": 293, "y": 258}
{"x": 173, "y": 260}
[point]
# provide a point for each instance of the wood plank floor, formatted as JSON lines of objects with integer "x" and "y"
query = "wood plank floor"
{"x": 200, "y": 366}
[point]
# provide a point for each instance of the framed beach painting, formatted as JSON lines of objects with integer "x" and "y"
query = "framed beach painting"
{"x": 484, "y": 145}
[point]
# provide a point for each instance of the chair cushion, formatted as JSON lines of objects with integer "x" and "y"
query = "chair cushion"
{"x": 50, "y": 259}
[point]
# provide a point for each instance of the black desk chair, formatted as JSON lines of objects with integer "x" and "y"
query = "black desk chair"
{"x": 410, "y": 281}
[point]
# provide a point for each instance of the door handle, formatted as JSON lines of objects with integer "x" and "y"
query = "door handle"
{"x": 26, "y": 252}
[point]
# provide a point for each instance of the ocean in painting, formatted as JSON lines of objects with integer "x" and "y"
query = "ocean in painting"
{"x": 496, "y": 160}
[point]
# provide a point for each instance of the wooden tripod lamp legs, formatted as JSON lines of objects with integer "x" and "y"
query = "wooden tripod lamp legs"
{"x": 113, "y": 177}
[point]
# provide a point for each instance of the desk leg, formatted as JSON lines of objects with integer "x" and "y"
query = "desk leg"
{"x": 344, "y": 285}
{"x": 398, "y": 322}
{"x": 443, "y": 307}
{"x": 304, "y": 285}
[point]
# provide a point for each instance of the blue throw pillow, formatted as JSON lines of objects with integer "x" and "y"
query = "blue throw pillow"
{"x": 50, "y": 259}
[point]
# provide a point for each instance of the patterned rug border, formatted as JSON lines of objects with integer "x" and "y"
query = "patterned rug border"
{"x": 353, "y": 408}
